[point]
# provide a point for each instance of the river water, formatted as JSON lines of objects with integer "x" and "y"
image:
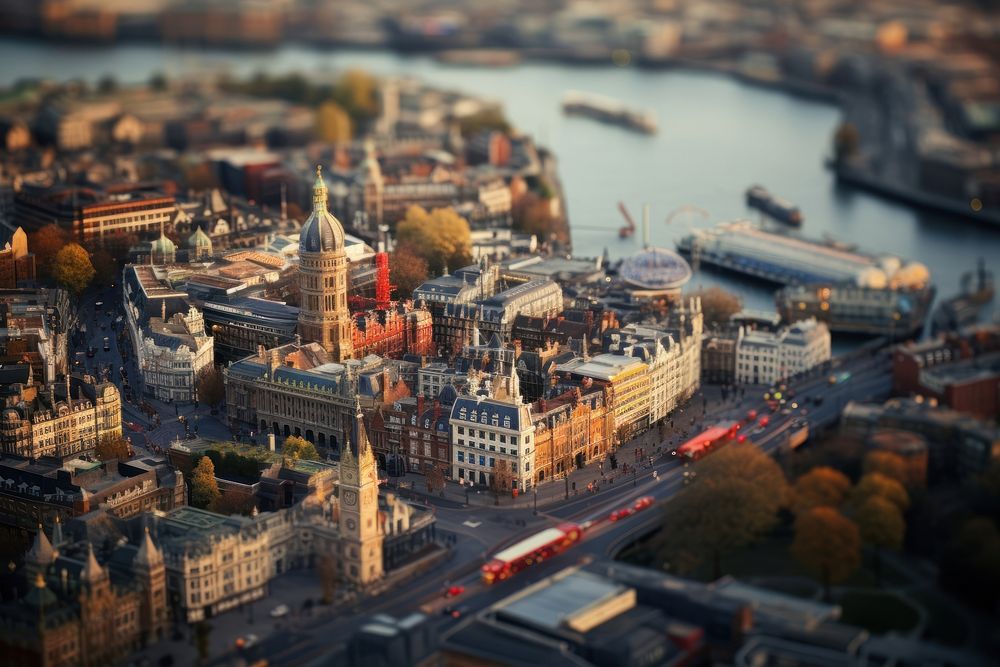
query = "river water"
{"x": 717, "y": 137}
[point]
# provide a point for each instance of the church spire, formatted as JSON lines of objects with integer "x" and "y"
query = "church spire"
{"x": 319, "y": 190}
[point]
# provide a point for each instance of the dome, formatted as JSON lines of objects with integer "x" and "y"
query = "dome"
{"x": 163, "y": 245}
{"x": 889, "y": 263}
{"x": 321, "y": 232}
{"x": 913, "y": 274}
{"x": 872, "y": 278}
{"x": 199, "y": 239}
{"x": 655, "y": 269}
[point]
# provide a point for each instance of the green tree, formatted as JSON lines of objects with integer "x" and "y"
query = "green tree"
{"x": 882, "y": 526}
{"x": 45, "y": 244}
{"x": 72, "y": 268}
{"x": 204, "y": 488}
{"x": 820, "y": 487}
{"x": 299, "y": 448}
{"x": 407, "y": 269}
{"x": 112, "y": 447}
{"x": 211, "y": 387}
{"x": 441, "y": 237}
{"x": 733, "y": 502}
{"x": 827, "y": 543}
{"x": 887, "y": 463}
{"x": 326, "y": 571}
{"x": 717, "y": 305}
{"x": 332, "y": 123}
{"x": 877, "y": 484}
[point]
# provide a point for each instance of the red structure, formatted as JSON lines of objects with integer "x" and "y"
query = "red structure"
{"x": 531, "y": 550}
{"x": 394, "y": 331}
{"x": 707, "y": 441}
{"x": 382, "y": 286}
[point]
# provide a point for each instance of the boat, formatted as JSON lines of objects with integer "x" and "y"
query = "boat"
{"x": 479, "y": 57}
{"x": 777, "y": 208}
{"x": 609, "y": 111}
{"x": 962, "y": 310}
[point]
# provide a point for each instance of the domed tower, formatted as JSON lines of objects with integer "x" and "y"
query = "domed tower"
{"x": 323, "y": 314}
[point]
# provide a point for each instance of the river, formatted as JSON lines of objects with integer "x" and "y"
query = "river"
{"x": 717, "y": 136}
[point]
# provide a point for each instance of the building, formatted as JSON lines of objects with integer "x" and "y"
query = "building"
{"x": 323, "y": 312}
{"x": 80, "y": 611}
{"x": 17, "y": 265}
{"x": 958, "y": 445}
{"x": 59, "y": 420}
{"x": 393, "y": 331}
{"x": 492, "y": 435}
{"x": 297, "y": 389}
{"x": 572, "y": 430}
{"x": 33, "y": 330}
{"x": 626, "y": 380}
{"x": 93, "y": 215}
{"x": 361, "y": 534}
{"x": 45, "y": 491}
{"x": 242, "y": 325}
{"x": 171, "y": 354}
{"x": 718, "y": 359}
{"x": 765, "y": 357}
{"x": 199, "y": 245}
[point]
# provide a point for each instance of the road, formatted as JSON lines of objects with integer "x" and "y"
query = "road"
{"x": 867, "y": 378}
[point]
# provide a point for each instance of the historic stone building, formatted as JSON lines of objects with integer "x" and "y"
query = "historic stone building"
{"x": 361, "y": 534}
{"x": 79, "y": 611}
{"x": 323, "y": 312}
{"x": 59, "y": 420}
{"x": 571, "y": 431}
{"x": 394, "y": 331}
{"x": 17, "y": 265}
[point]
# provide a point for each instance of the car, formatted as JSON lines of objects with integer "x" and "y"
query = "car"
{"x": 455, "y": 611}
{"x": 741, "y": 439}
{"x": 765, "y": 420}
{"x": 91, "y": 351}
{"x": 107, "y": 344}
{"x": 818, "y": 400}
{"x": 246, "y": 641}
{"x": 280, "y": 611}
{"x": 643, "y": 503}
{"x": 454, "y": 591}
{"x": 623, "y": 513}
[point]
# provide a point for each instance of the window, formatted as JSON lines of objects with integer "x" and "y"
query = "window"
{"x": 503, "y": 438}
{"x": 493, "y": 462}
{"x": 461, "y": 430}
{"x": 493, "y": 436}
{"x": 461, "y": 473}
{"x": 461, "y": 456}
{"x": 482, "y": 460}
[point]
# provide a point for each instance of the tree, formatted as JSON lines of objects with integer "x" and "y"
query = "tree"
{"x": 72, "y": 268}
{"x": 355, "y": 92}
{"x": 234, "y": 502}
{"x": 441, "y": 237}
{"x": 202, "y": 635}
{"x": 326, "y": 570}
{"x": 532, "y": 214}
{"x": 107, "y": 84}
{"x": 827, "y": 543}
{"x": 45, "y": 244}
{"x": 204, "y": 488}
{"x": 105, "y": 266}
{"x": 158, "y": 81}
{"x": 332, "y": 123}
{"x": 820, "y": 487}
{"x": 111, "y": 447}
{"x": 296, "y": 448}
{"x": 408, "y": 270}
{"x": 211, "y": 388}
{"x": 877, "y": 484}
{"x": 734, "y": 500}
{"x": 882, "y": 526}
{"x": 435, "y": 479}
{"x": 501, "y": 479}
{"x": 887, "y": 463}
{"x": 971, "y": 562}
{"x": 485, "y": 120}
{"x": 718, "y": 305}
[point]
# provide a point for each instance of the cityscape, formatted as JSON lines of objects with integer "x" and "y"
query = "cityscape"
{"x": 441, "y": 333}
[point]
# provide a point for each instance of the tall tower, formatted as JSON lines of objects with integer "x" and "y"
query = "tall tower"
{"x": 149, "y": 569}
{"x": 360, "y": 532}
{"x": 323, "y": 314}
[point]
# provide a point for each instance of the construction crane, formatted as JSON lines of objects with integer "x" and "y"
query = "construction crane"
{"x": 688, "y": 213}
{"x": 629, "y": 228}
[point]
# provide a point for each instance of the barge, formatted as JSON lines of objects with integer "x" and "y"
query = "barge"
{"x": 609, "y": 111}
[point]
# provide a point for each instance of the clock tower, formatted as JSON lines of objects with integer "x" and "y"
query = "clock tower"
{"x": 360, "y": 530}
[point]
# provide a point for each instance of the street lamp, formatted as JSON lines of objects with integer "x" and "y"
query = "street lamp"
{"x": 535, "y": 493}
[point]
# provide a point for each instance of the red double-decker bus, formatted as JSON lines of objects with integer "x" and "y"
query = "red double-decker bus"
{"x": 540, "y": 546}
{"x": 707, "y": 441}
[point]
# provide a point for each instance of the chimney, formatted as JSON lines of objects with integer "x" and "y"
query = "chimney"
{"x": 270, "y": 441}
{"x": 437, "y": 411}
{"x": 420, "y": 406}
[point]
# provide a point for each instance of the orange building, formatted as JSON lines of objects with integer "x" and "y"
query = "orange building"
{"x": 393, "y": 332}
{"x": 17, "y": 265}
{"x": 571, "y": 430}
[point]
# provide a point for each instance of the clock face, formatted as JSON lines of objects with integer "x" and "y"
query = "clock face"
{"x": 350, "y": 498}
{"x": 349, "y": 476}
{"x": 351, "y": 524}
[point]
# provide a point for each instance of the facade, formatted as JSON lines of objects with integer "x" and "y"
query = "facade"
{"x": 764, "y": 357}
{"x": 44, "y": 492}
{"x": 626, "y": 380}
{"x": 393, "y": 331}
{"x": 171, "y": 355}
{"x": 323, "y": 313}
{"x": 79, "y": 611}
{"x": 360, "y": 532}
{"x": 571, "y": 431}
{"x": 17, "y": 265}
{"x": 59, "y": 420}
{"x": 492, "y": 429}
{"x": 240, "y": 326}
{"x": 33, "y": 330}
{"x": 297, "y": 389}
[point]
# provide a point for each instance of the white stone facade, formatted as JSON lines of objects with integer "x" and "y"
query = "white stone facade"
{"x": 765, "y": 357}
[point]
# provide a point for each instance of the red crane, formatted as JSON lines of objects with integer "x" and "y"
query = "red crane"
{"x": 629, "y": 228}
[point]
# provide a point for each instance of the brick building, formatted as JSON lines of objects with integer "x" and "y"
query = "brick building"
{"x": 17, "y": 265}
